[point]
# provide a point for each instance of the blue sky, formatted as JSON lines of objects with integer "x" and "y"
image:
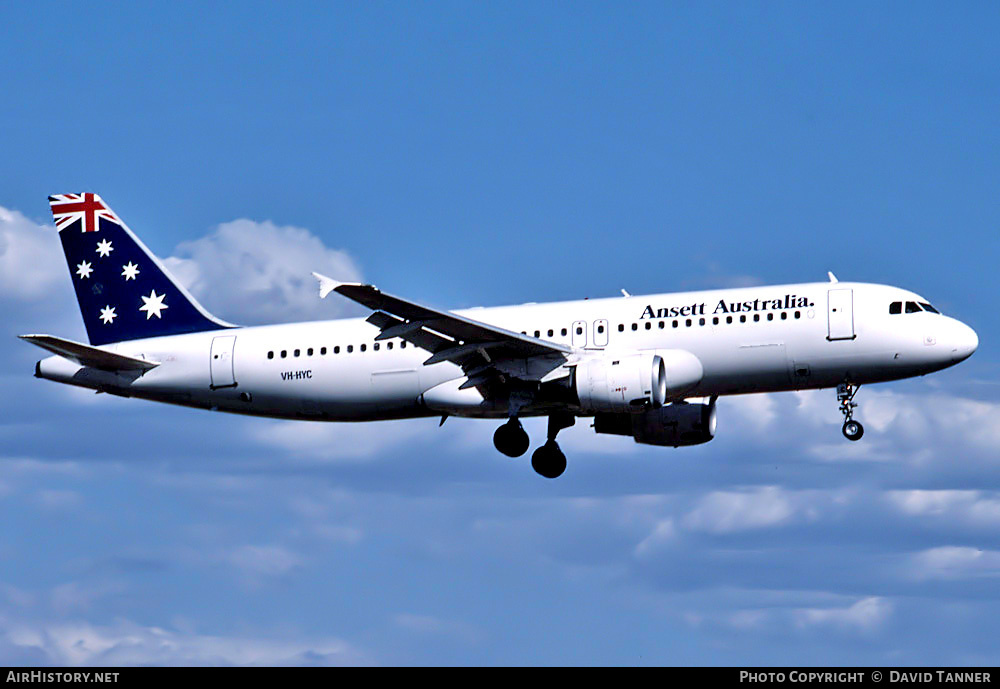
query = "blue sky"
{"x": 487, "y": 153}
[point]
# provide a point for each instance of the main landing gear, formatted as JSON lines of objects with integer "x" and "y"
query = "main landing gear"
{"x": 548, "y": 460}
{"x": 852, "y": 430}
{"x": 511, "y": 439}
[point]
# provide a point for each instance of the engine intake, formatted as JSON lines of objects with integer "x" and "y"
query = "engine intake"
{"x": 678, "y": 424}
{"x": 617, "y": 382}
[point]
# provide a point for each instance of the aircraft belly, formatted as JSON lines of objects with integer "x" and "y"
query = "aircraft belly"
{"x": 746, "y": 368}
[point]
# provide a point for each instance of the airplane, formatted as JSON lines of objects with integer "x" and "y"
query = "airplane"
{"x": 647, "y": 367}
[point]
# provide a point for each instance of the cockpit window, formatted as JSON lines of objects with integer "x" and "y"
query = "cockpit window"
{"x": 912, "y": 307}
{"x": 896, "y": 307}
{"x": 928, "y": 307}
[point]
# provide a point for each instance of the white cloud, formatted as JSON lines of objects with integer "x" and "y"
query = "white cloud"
{"x": 955, "y": 562}
{"x": 31, "y": 259}
{"x": 125, "y": 643}
{"x": 76, "y": 596}
{"x": 430, "y": 625}
{"x": 915, "y": 428}
{"x": 336, "y": 442}
{"x": 257, "y": 272}
{"x": 724, "y": 512}
{"x": 59, "y": 500}
{"x": 269, "y": 561}
{"x": 665, "y": 532}
{"x": 248, "y": 272}
{"x": 866, "y": 614}
{"x": 970, "y": 507}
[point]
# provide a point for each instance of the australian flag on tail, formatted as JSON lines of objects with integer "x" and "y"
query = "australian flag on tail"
{"x": 124, "y": 292}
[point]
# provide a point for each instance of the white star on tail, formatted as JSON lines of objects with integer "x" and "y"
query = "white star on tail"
{"x": 153, "y": 304}
{"x": 104, "y": 247}
{"x": 84, "y": 270}
{"x": 130, "y": 271}
{"x": 108, "y": 314}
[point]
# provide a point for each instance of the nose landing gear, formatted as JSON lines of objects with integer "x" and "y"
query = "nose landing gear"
{"x": 852, "y": 430}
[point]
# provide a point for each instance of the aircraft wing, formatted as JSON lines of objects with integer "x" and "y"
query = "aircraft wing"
{"x": 85, "y": 355}
{"x": 471, "y": 344}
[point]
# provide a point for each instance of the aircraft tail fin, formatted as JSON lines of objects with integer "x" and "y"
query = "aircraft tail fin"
{"x": 124, "y": 291}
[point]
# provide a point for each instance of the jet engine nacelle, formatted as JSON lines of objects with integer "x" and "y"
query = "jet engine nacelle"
{"x": 677, "y": 424}
{"x": 618, "y": 382}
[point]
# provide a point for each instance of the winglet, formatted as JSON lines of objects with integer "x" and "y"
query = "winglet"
{"x": 326, "y": 285}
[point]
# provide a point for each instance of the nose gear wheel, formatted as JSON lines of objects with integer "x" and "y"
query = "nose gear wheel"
{"x": 852, "y": 430}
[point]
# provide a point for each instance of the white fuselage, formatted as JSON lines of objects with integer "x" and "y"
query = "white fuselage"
{"x": 754, "y": 339}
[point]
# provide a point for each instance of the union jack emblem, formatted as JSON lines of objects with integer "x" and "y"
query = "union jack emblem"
{"x": 68, "y": 208}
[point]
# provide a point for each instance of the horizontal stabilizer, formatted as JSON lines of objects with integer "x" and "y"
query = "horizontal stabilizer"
{"x": 85, "y": 355}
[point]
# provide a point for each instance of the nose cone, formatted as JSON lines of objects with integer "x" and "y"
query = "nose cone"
{"x": 964, "y": 342}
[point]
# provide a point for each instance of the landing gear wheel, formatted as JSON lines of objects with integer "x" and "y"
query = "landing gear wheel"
{"x": 511, "y": 439}
{"x": 853, "y": 430}
{"x": 549, "y": 460}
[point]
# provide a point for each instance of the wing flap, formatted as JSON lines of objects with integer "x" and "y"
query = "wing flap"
{"x": 85, "y": 355}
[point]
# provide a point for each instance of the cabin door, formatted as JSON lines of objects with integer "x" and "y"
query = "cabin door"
{"x": 222, "y": 362}
{"x": 840, "y": 314}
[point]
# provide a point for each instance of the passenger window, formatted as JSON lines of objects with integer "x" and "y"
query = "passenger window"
{"x": 375, "y": 346}
{"x": 537, "y": 333}
{"x": 551, "y": 332}
{"x": 563, "y": 331}
{"x": 364, "y": 347}
{"x": 621, "y": 328}
{"x": 895, "y": 308}
{"x": 928, "y": 307}
{"x": 911, "y": 307}
{"x": 350, "y": 348}
{"x": 635, "y": 326}
{"x": 309, "y": 351}
{"x": 649, "y": 326}
{"x": 322, "y": 351}
{"x": 336, "y": 350}
{"x": 270, "y": 355}
{"x": 297, "y": 352}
